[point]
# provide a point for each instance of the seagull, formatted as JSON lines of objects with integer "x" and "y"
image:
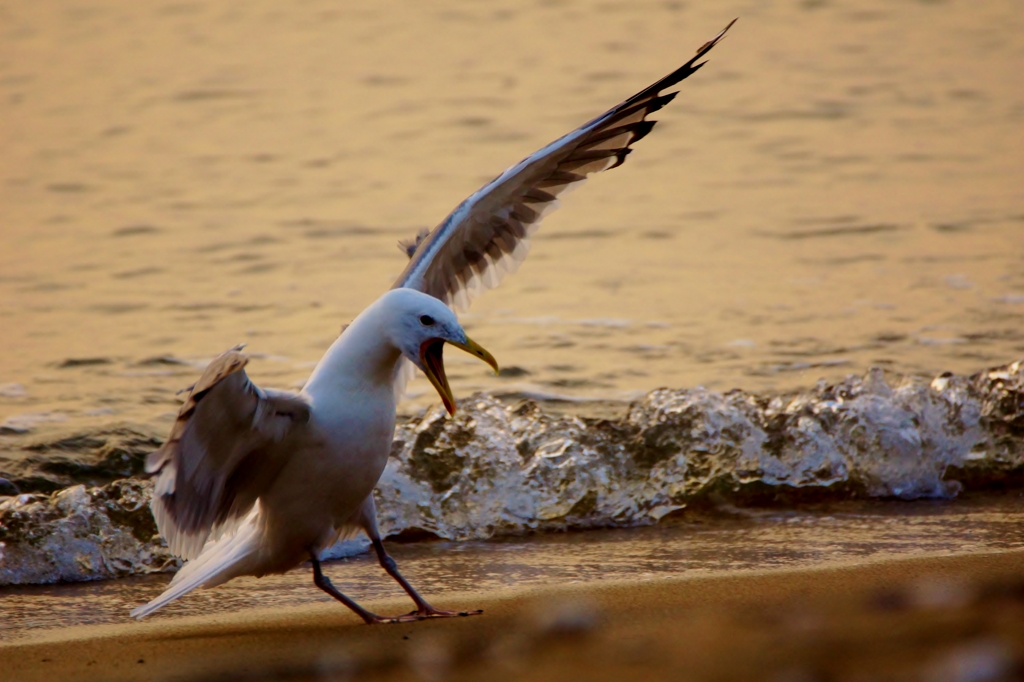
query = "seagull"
{"x": 255, "y": 481}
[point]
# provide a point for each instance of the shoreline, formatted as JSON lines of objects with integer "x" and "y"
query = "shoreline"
{"x": 497, "y": 470}
{"x": 777, "y": 618}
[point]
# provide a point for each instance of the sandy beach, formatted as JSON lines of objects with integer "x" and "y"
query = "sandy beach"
{"x": 934, "y": 618}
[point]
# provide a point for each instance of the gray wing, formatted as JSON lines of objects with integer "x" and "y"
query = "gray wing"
{"x": 221, "y": 454}
{"x": 487, "y": 236}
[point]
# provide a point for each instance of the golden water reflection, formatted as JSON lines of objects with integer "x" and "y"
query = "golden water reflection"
{"x": 840, "y": 187}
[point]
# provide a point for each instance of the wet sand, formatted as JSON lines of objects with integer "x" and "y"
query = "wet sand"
{"x": 922, "y": 618}
{"x": 718, "y": 593}
{"x": 702, "y": 541}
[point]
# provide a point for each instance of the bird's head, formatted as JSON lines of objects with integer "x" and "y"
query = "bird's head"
{"x": 420, "y": 325}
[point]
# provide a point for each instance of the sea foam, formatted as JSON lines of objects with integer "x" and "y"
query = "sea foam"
{"x": 499, "y": 468}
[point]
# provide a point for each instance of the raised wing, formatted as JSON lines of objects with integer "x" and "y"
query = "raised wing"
{"x": 224, "y": 449}
{"x": 487, "y": 236}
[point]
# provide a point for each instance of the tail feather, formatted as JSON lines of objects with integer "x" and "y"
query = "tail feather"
{"x": 219, "y": 562}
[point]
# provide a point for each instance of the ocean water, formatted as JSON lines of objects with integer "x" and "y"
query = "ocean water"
{"x": 839, "y": 189}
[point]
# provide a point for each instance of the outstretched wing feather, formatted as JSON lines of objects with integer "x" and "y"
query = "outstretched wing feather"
{"x": 487, "y": 236}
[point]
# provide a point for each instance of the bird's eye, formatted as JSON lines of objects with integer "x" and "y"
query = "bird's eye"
{"x": 427, "y": 320}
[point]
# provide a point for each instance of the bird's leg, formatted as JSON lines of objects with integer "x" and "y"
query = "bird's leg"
{"x": 370, "y": 618}
{"x": 324, "y": 583}
{"x": 423, "y": 608}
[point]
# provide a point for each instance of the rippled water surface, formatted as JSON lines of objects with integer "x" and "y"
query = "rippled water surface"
{"x": 840, "y": 187}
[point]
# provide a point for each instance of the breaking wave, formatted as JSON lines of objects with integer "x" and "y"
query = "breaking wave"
{"x": 503, "y": 469}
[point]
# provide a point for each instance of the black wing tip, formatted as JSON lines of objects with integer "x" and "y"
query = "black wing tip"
{"x": 641, "y": 130}
{"x": 706, "y": 47}
{"x": 621, "y": 156}
{"x": 680, "y": 74}
{"x": 660, "y": 101}
{"x": 692, "y": 66}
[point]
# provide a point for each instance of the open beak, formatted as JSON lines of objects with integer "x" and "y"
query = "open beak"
{"x": 431, "y": 357}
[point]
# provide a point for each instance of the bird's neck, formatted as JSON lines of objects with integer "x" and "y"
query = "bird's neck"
{"x": 362, "y": 360}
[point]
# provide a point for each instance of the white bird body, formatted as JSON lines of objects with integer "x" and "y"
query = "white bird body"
{"x": 320, "y": 474}
{"x": 254, "y": 481}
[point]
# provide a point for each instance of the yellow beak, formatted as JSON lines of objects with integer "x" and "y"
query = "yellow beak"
{"x": 431, "y": 357}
